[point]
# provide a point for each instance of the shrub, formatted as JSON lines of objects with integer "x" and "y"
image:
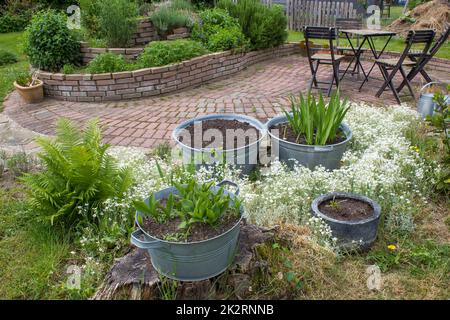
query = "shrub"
{"x": 107, "y": 62}
{"x": 265, "y": 27}
{"x": 49, "y": 43}
{"x": 68, "y": 69}
{"x": 7, "y": 57}
{"x": 159, "y": 53}
{"x": 90, "y": 12}
{"x": 78, "y": 172}
{"x": 218, "y": 31}
{"x": 173, "y": 15}
{"x": 118, "y": 21}
{"x": 10, "y": 22}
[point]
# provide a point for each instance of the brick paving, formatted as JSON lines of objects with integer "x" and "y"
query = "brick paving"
{"x": 260, "y": 91}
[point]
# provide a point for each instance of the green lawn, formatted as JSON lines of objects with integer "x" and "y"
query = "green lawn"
{"x": 11, "y": 42}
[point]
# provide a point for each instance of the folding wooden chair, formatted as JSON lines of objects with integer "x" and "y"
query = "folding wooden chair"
{"x": 315, "y": 60}
{"x": 390, "y": 67}
{"x": 420, "y": 64}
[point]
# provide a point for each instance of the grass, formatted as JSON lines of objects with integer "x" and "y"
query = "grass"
{"x": 31, "y": 255}
{"x": 11, "y": 42}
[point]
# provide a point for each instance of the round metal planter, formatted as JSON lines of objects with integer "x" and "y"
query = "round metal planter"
{"x": 328, "y": 156}
{"x": 350, "y": 234}
{"x": 244, "y": 158}
{"x": 190, "y": 261}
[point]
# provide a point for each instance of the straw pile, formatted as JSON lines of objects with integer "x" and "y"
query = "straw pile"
{"x": 429, "y": 15}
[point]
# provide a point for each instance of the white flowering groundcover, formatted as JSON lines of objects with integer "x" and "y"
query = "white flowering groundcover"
{"x": 380, "y": 163}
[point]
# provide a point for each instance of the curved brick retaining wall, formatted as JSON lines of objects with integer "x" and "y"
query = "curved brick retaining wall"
{"x": 154, "y": 81}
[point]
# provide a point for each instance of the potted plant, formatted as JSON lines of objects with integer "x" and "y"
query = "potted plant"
{"x": 190, "y": 230}
{"x": 29, "y": 87}
{"x": 353, "y": 218}
{"x": 312, "y": 133}
{"x": 221, "y": 138}
{"x": 427, "y": 104}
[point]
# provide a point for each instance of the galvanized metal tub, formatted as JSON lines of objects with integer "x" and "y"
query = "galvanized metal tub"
{"x": 190, "y": 261}
{"x": 426, "y": 104}
{"x": 350, "y": 234}
{"x": 328, "y": 156}
{"x": 244, "y": 158}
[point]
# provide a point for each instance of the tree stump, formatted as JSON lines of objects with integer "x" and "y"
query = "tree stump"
{"x": 133, "y": 276}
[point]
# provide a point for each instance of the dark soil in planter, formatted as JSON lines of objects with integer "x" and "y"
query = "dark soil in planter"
{"x": 346, "y": 209}
{"x": 286, "y": 133}
{"x": 223, "y": 125}
{"x": 197, "y": 231}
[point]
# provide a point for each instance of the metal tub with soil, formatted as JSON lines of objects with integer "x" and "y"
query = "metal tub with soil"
{"x": 221, "y": 138}
{"x": 193, "y": 260}
{"x": 353, "y": 218}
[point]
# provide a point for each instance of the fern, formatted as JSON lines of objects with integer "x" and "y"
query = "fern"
{"x": 78, "y": 171}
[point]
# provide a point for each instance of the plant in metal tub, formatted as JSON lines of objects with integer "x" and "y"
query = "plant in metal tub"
{"x": 312, "y": 134}
{"x": 190, "y": 230}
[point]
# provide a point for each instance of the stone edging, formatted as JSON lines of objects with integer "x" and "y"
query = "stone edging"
{"x": 154, "y": 81}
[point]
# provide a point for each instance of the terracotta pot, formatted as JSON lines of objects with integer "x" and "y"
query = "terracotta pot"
{"x": 32, "y": 94}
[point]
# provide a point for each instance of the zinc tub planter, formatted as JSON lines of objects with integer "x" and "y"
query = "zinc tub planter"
{"x": 244, "y": 158}
{"x": 310, "y": 156}
{"x": 190, "y": 261}
{"x": 358, "y": 234}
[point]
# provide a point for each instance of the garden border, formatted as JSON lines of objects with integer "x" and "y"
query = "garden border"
{"x": 155, "y": 81}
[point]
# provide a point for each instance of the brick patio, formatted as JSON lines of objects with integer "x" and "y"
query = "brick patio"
{"x": 260, "y": 91}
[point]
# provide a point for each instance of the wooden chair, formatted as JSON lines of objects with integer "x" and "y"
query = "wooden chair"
{"x": 390, "y": 67}
{"x": 420, "y": 64}
{"x": 316, "y": 59}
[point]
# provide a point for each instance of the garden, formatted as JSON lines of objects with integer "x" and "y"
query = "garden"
{"x": 331, "y": 199}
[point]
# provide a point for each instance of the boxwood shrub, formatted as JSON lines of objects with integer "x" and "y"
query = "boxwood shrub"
{"x": 49, "y": 42}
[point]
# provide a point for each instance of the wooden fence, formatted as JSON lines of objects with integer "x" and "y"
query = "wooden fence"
{"x": 318, "y": 12}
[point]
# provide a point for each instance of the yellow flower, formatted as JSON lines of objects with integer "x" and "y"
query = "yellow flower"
{"x": 392, "y": 247}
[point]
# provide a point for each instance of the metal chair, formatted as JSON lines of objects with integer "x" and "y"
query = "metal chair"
{"x": 316, "y": 59}
{"x": 390, "y": 67}
{"x": 420, "y": 64}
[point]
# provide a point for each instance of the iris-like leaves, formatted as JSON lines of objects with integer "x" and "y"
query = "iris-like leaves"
{"x": 315, "y": 120}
